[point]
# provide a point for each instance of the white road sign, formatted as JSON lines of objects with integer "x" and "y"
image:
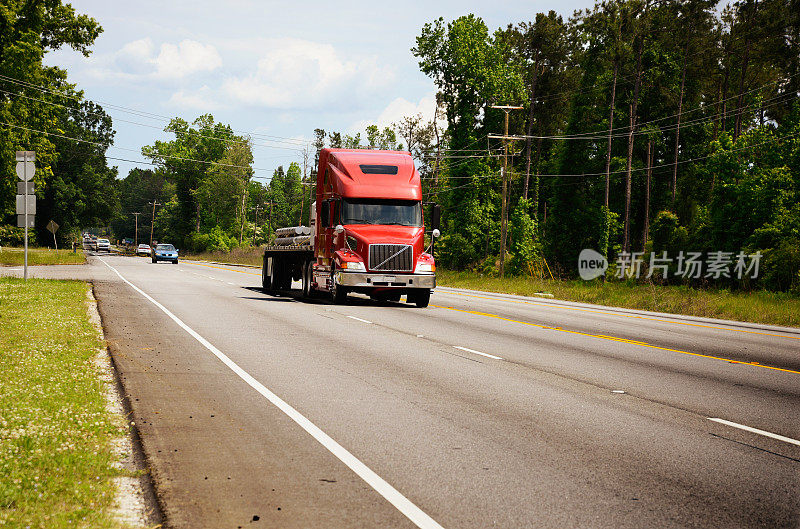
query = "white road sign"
{"x": 21, "y": 188}
{"x": 25, "y": 170}
{"x": 31, "y": 204}
{"x": 26, "y": 156}
{"x": 21, "y": 221}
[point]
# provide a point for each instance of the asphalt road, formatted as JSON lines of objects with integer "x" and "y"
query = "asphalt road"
{"x": 480, "y": 411}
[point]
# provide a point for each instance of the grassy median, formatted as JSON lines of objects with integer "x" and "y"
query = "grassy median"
{"x": 40, "y": 256}
{"x": 56, "y": 461}
{"x": 759, "y": 306}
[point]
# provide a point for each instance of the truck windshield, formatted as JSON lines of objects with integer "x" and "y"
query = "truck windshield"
{"x": 374, "y": 211}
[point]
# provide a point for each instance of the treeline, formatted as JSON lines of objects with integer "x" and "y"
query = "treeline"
{"x": 645, "y": 125}
{"x": 43, "y": 112}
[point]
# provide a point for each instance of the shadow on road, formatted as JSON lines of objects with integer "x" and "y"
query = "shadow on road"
{"x": 355, "y": 300}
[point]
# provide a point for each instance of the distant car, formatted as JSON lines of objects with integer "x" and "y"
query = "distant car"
{"x": 165, "y": 252}
{"x": 103, "y": 245}
{"x": 143, "y": 249}
{"x": 93, "y": 243}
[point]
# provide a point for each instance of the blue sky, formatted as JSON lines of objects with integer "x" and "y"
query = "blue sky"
{"x": 275, "y": 70}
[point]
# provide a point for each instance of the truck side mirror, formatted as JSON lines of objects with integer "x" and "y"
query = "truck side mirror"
{"x": 325, "y": 214}
{"x": 436, "y": 216}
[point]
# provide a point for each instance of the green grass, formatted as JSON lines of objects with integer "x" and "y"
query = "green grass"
{"x": 40, "y": 256}
{"x": 248, "y": 256}
{"x": 758, "y": 307}
{"x": 56, "y": 460}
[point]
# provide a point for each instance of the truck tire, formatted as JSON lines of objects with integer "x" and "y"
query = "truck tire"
{"x": 338, "y": 293}
{"x": 308, "y": 275}
{"x": 265, "y": 279}
{"x": 420, "y": 298}
{"x": 276, "y": 278}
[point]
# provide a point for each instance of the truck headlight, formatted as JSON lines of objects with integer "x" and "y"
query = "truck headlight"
{"x": 356, "y": 266}
{"x": 425, "y": 268}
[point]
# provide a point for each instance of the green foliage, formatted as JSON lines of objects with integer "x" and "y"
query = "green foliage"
{"x": 210, "y": 169}
{"x": 667, "y": 234}
{"x": 74, "y": 185}
{"x": 216, "y": 240}
{"x": 524, "y": 244}
{"x": 13, "y": 236}
{"x": 731, "y": 78}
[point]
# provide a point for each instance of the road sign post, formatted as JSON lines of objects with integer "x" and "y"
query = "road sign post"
{"x": 52, "y": 227}
{"x": 25, "y": 171}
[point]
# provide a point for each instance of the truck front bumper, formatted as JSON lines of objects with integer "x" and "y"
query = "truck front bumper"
{"x": 366, "y": 280}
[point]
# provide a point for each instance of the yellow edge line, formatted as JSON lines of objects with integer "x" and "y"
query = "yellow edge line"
{"x": 549, "y": 305}
{"x": 611, "y": 338}
{"x": 221, "y": 268}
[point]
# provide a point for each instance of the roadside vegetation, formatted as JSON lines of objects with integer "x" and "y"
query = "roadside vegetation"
{"x": 775, "y": 308}
{"x": 40, "y": 256}
{"x": 56, "y": 460}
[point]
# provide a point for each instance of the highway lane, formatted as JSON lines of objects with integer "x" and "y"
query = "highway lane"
{"x": 532, "y": 436}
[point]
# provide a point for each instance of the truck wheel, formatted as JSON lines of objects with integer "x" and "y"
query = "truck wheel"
{"x": 393, "y": 296}
{"x": 265, "y": 279}
{"x": 308, "y": 276}
{"x": 276, "y": 277}
{"x": 420, "y": 298}
{"x": 338, "y": 293}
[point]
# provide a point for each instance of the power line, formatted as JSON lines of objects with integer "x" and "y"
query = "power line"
{"x": 149, "y": 115}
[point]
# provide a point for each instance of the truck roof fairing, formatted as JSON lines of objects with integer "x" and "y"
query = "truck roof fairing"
{"x": 348, "y": 180}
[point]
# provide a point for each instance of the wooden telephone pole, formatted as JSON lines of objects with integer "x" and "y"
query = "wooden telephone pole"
{"x": 136, "y": 229}
{"x": 154, "y": 203}
{"x": 504, "y": 209}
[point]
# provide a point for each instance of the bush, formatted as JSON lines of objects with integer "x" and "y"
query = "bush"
{"x": 781, "y": 266}
{"x": 214, "y": 241}
{"x": 524, "y": 246}
{"x": 667, "y": 234}
{"x": 13, "y": 236}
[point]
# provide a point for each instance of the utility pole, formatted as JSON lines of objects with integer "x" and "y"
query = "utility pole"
{"x": 136, "y": 229}
{"x": 504, "y": 209}
{"x": 154, "y": 203}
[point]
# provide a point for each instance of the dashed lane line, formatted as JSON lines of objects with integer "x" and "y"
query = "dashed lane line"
{"x": 755, "y": 430}
{"x": 359, "y": 319}
{"x": 473, "y": 351}
{"x": 392, "y": 495}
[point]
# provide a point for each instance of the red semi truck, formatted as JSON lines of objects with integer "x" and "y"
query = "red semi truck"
{"x": 366, "y": 235}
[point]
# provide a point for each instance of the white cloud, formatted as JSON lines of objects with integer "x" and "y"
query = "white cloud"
{"x": 141, "y": 60}
{"x": 199, "y": 99}
{"x": 295, "y": 73}
{"x": 397, "y": 110}
{"x": 188, "y": 57}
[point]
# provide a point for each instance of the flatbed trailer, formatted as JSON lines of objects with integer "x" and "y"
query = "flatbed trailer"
{"x": 284, "y": 264}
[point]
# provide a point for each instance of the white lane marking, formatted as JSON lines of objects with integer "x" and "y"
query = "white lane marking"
{"x": 359, "y": 319}
{"x": 392, "y": 495}
{"x": 477, "y": 352}
{"x": 756, "y": 430}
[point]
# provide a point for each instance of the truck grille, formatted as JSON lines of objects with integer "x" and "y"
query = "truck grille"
{"x": 391, "y": 257}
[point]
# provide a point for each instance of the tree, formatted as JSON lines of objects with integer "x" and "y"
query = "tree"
{"x": 33, "y": 113}
{"x": 186, "y": 161}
